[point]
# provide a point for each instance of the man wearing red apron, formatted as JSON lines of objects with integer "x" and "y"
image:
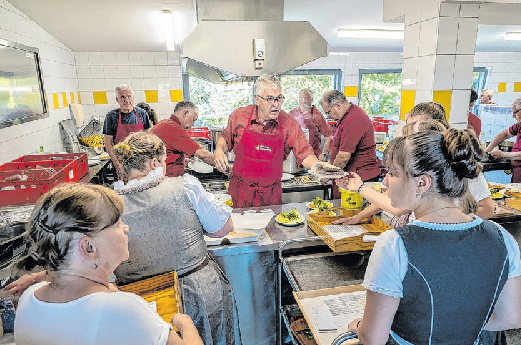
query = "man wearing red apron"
{"x": 308, "y": 116}
{"x": 119, "y": 123}
{"x": 353, "y": 147}
{"x": 515, "y": 155}
{"x": 261, "y": 137}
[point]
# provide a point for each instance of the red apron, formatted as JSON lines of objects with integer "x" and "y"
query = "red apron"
{"x": 314, "y": 133}
{"x": 516, "y": 164}
{"x": 125, "y": 130}
{"x": 257, "y": 169}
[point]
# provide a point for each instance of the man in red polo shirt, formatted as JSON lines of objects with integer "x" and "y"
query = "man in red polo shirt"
{"x": 474, "y": 122}
{"x": 261, "y": 136}
{"x": 308, "y": 116}
{"x": 174, "y": 133}
{"x": 353, "y": 147}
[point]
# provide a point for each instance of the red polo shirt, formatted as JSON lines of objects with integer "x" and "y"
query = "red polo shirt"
{"x": 317, "y": 126}
{"x": 294, "y": 138}
{"x": 474, "y": 123}
{"x": 355, "y": 134}
{"x": 178, "y": 144}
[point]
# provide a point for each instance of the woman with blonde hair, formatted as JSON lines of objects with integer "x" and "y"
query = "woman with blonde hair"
{"x": 78, "y": 232}
{"x": 170, "y": 215}
{"x": 418, "y": 275}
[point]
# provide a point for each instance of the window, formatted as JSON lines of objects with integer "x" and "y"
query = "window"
{"x": 379, "y": 92}
{"x": 319, "y": 81}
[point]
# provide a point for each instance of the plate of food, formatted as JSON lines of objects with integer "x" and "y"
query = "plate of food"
{"x": 286, "y": 177}
{"x": 318, "y": 204}
{"x": 512, "y": 192}
{"x": 291, "y": 218}
{"x": 495, "y": 185}
{"x": 496, "y": 193}
{"x": 329, "y": 171}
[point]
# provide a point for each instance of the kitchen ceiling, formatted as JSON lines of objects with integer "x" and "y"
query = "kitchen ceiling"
{"x": 131, "y": 25}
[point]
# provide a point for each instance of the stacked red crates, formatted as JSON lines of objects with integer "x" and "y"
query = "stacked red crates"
{"x": 25, "y": 179}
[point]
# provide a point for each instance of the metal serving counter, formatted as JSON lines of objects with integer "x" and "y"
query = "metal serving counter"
{"x": 252, "y": 271}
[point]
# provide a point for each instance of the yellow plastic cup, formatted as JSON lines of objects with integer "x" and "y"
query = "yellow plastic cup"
{"x": 350, "y": 200}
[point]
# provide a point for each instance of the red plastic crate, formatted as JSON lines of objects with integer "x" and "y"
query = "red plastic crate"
{"x": 81, "y": 158}
{"x": 200, "y": 132}
{"x": 18, "y": 192}
{"x": 69, "y": 166}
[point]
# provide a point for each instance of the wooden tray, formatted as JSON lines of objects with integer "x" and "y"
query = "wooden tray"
{"x": 163, "y": 290}
{"x": 308, "y": 299}
{"x": 373, "y": 225}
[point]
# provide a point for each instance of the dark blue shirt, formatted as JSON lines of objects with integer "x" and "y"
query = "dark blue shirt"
{"x": 110, "y": 126}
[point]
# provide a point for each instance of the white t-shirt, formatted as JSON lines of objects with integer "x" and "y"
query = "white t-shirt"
{"x": 101, "y": 318}
{"x": 478, "y": 187}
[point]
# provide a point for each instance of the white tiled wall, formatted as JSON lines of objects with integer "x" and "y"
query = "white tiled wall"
{"x": 59, "y": 73}
{"x": 103, "y": 71}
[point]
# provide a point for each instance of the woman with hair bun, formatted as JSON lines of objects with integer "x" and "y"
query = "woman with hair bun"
{"x": 77, "y": 231}
{"x": 447, "y": 276}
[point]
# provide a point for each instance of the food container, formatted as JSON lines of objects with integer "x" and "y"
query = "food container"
{"x": 290, "y": 164}
{"x": 350, "y": 200}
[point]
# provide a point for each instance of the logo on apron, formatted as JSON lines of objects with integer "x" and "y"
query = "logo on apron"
{"x": 263, "y": 148}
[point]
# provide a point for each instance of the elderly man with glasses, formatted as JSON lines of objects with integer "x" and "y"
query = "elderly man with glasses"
{"x": 261, "y": 136}
{"x": 353, "y": 147}
{"x": 515, "y": 155}
{"x": 309, "y": 117}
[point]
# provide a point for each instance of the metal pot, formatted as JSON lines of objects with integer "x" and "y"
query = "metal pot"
{"x": 216, "y": 134}
{"x": 290, "y": 164}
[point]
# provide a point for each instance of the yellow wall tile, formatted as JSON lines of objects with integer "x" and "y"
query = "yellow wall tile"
{"x": 72, "y": 97}
{"x": 406, "y": 102}
{"x": 47, "y": 101}
{"x": 176, "y": 95}
{"x": 351, "y": 91}
{"x": 79, "y": 98}
{"x": 100, "y": 97}
{"x": 502, "y": 87}
{"x": 64, "y": 98}
{"x": 55, "y": 101}
{"x": 151, "y": 96}
{"x": 517, "y": 87}
{"x": 443, "y": 97}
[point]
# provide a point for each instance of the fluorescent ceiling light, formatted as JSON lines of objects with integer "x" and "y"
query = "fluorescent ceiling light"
{"x": 371, "y": 33}
{"x": 168, "y": 29}
{"x": 513, "y": 36}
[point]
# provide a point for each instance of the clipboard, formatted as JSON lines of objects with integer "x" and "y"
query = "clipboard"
{"x": 161, "y": 292}
{"x": 307, "y": 300}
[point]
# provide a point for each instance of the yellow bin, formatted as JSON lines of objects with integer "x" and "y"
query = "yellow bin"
{"x": 350, "y": 200}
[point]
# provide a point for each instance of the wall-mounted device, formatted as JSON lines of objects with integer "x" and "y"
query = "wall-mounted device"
{"x": 259, "y": 52}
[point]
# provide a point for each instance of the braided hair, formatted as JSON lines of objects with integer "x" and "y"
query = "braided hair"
{"x": 137, "y": 149}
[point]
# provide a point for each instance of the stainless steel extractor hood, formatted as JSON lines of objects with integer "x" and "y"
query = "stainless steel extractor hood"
{"x": 221, "y": 46}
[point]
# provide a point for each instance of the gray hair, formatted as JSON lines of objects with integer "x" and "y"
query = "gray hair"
{"x": 433, "y": 110}
{"x": 266, "y": 80}
{"x": 488, "y": 92}
{"x": 308, "y": 91}
{"x": 180, "y": 106}
{"x": 122, "y": 87}
{"x": 333, "y": 97}
{"x": 517, "y": 103}
{"x": 450, "y": 158}
{"x": 64, "y": 215}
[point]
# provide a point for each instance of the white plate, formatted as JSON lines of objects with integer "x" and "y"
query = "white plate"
{"x": 289, "y": 224}
{"x": 213, "y": 241}
{"x": 200, "y": 167}
{"x": 234, "y": 239}
{"x": 339, "y": 175}
{"x": 286, "y": 177}
{"x": 312, "y": 208}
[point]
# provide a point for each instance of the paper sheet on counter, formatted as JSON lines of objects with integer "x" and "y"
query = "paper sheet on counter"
{"x": 251, "y": 221}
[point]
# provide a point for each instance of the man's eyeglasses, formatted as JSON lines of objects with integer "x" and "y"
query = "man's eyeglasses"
{"x": 517, "y": 111}
{"x": 272, "y": 100}
{"x": 327, "y": 112}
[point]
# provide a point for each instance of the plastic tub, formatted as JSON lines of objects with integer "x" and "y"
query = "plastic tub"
{"x": 350, "y": 200}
